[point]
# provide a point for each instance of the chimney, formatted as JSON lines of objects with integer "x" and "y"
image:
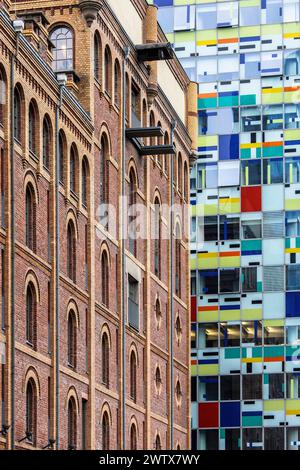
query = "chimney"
{"x": 150, "y": 37}
{"x": 192, "y": 118}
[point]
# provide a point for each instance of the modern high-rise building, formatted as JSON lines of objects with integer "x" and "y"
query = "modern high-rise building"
{"x": 94, "y": 321}
{"x": 245, "y": 196}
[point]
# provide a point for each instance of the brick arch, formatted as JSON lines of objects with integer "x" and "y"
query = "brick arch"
{"x": 105, "y": 132}
{"x": 32, "y": 374}
{"x": 132, "y": 167}
{"x": 71, "y": 216}
{"x": 105, "y": 247}
{"x": 156, "y": 194}
{"x": 133, "y": 348}
{"x": 72, "y": 306}
{"x": 106, "y": 408}
{"x": 30, "y": 178}
{"x": 134, "y": 421}
{"x": 31, "y": 278}
{"x": 72, "y": 393}
{"x": 177, "y": 224}
{"x": 105, "y": 329}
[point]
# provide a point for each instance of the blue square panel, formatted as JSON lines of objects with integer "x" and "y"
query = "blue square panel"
{"x": 229, "y": 146}
{"x": 163, "y": 3}
{"x": 230, "y": 414}
{"x": 292, "y": 304}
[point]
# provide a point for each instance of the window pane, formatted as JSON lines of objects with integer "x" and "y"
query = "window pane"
{"x": 229, "y": 228}
{"x": 251, "y": 119}
{"x": 292, "y": 223}
{"x": 208, "y": 335}
{"x": 273, "y": 386}
{"x": 229, "y": 174}
{"x": 272, "y": 117}
{"x": 251, "y": 229}
{"x": 291, "y": 62}
{"x": 206, "y": 17}
{"x": 229, "y": 280}
{"x": 230, "y": 387}
{"x": 208, "y": 388}
{"x": 249, "y": 279}
{"x": 274, "y": 335}
{"x": 210, "y": 228}
{"x": 252, "y": 387}
{"x": 208, "y": 281}
{"x": 252, "y": 332}
{"x": 251, "y": 172}
{"x": 292, "y": 170}
{"x": 293, "y": 277}
{"x": 273, "y": 171}
{"x": 229, "y": 335}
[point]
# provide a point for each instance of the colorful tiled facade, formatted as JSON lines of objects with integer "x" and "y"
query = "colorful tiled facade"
{"x": 245, "y": 196}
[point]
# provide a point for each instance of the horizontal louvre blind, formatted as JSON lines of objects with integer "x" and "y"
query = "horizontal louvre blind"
{"x": 273, "y": 225}
{"x": 273, "y": 278}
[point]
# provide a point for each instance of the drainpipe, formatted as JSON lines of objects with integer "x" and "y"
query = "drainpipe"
{"x": 174, "y": 124}
{"x": 18, "y": 26}
{"x": 124, "y": 102}
{"x": 62, "y": 79}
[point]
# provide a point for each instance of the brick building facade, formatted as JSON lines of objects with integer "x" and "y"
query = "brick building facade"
{"x": 88, "y": 364}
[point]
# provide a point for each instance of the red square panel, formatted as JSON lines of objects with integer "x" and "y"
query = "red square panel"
{"x": 251, "y": 199}
{"x": 208, "y": 415}
{"x": 193, "y": 308}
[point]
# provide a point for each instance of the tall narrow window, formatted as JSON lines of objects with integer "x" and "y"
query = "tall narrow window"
{"x": 103, "y": 169}
{"x": 157, "y": 442}
{"x": 133, "y": 376}
{"x": 107, "y": 70}
{"x": 157, "y": 239}
{"x": 61, "y": 157}
{"x": 132, "y": 213}
{"x": 31, "y": 411}
{"x": 17, "y": 115}
{"x": 72, "y": 424}
{"x": 135, "y": 106}
{"x": 30, "y": 218}
{"x": 152, "y": 124}
{"x": 166, "y": 142}
{"x": 105, "y": 360}
{"x": 84, "y": 183}
{"x": 133, "y": 437}
{"x": 97, "y": 56}
{"x": 104, "y": 279}
{"x": 185, "y": 181}
{"x": 179, "y": 173}
{"x": 2, "y": 182}
{"x": 177, "y": 262}
{"x": 31, "y": 315}
{"x": 117, "y": 83}
{"x": 73, "y": 170}
{"x": 160, "y": 141}
{"x": 71, "y": 252}
{"x": 46, "y": 142}
{"x": 3, "y": 95}
{"x": 62, "y": 39}
{"x": 105, "y": 431}
{"x": 32, "y": 128}
{"x": 72, "y": 339}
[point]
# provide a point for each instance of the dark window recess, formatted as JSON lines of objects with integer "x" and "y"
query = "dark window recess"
{"x": 230, "y": 387}
{"x": 252, "y": 387}
{"x": 229, "y": 280}
{"x": 133, "y": 302}
{"x": 249, "y": 279}
{"x": 210, "y": 228}
{"x": 229, "y": 228}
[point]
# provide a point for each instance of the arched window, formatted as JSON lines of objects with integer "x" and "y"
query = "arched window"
{"x": 97, "y": 56}
{"x": 47, "y": 141}
{"x": 73, "y": 169}
{"x": 105, "y": 360}
{"x": 132, "y": 212}
{"x": 33, "y": 128}
{"x": 107, "y": 70}
{"x": 117, "y": 83}
{"x": 17, "y": 114}
{"x": 152, "y": 124}
{"x": 179, "y": 173}
{"x": 72, "y": 424}
{"x": 71, "y": 252}
{"x": 72, "y": 339}
{"x": 178, "y": 391}
{"x": 160, "y": 141}
{"x": 178, "y": 328}
{"x": 61, "y": 142}
{"x": 31, "y": 411}
{"x": 133, "y": 376}
{"x": 3, "y": 96}
{"x": 167, "y": 157}
{"x": 157, "y": 442}
{"x": 84, "y": 182}
{"x": 145, "y": 114}
{"x": 177, "y": 262}
{"x": 157, "y": 312}
{"x": 104, "y": 152}
{"x": 30, "y": 218}
{"x": 133, "y": 437}
{"x": 104, "y": 278}
{"x": 31, "y": 315}
{"x": 62, "y": 39}
{"x": 158, "y": 380}
{"x": 105, "y": 431}
{"x": 157, "y": 238}
{"x": 185, "y": 182}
